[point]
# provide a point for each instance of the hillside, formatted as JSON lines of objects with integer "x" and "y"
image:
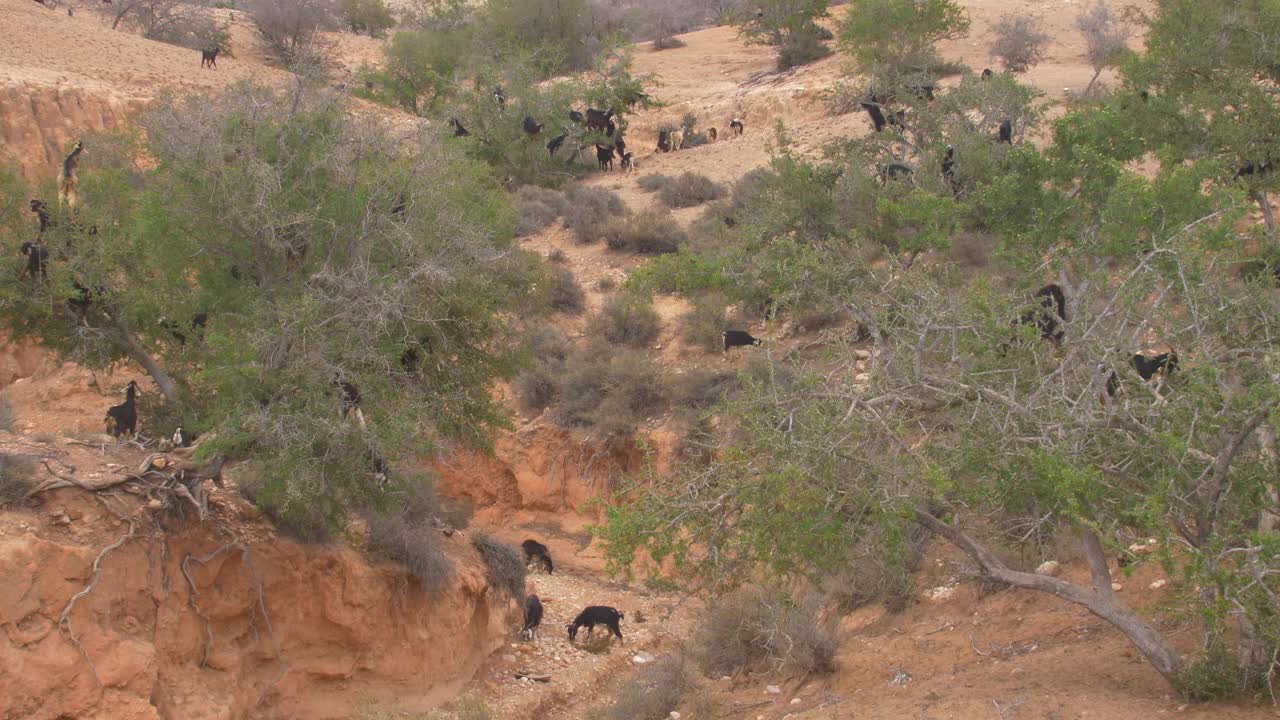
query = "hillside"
{"x": 334, "y": 634}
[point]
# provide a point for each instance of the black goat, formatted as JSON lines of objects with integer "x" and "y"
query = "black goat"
{"x": 877, "y": 117}
{"x": 619, "y": 146}
{"x": 736, "y": 126}
{"x": 663, "y": 137}
{"x": 37, "y": 260}
{"x": 604, "y": 156}
{"x": 576, "y": 117}
{"x": 895, "y": 171}
{"x": 536, "y": 552}
{"x": 42, "y": 212}
{"x": 1051, "y": 315}
{"x": 83, "y": 299}
{"x": 198, "y": 322}
{"x": 1006, "y": 132}
{"x": 923, "y": 92}
{"x": 499, "y": 97}
{"x": 1254, "y": 169}
{"x": 598, "y": 119}
{"x": 596, "y": 615}
{"x": 627, "y": 163}
{"x": 532, "y": 617}
{"x": 531, "y": 126}
{"x": 1148, "y": 366}
{"x": 987, "y": 74}
{"x": 610, "y": 128}
{"x": 350, "y": 400}
{"x": 738, "y": 338}
{"x": 555, "y": 143}
{"x": 458, "y": 129}
{"x": 949, "y": 170}
{"x": 209, "y": 57}
{"x": 122, "y": 419}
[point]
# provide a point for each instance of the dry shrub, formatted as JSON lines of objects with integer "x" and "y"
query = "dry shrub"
{"x": 628, "y": 320}
{"x": 769, "y": 630}
{"x": 609, "y": 393}
{"x": 8, "y": 418}
{"x": 539, "y": 386}
{"x": 17, "y": 477}
{"x": 704, "y": 324}
{"x": 590, "y": 211}
{"x": 803, "y": 47}
{"x": 305, "y": 522}
{"x": 1020, "y": 42}
{"x": 470, "y": 708}
{"x": 506, "y": 565}
{"x": 689, "y": 189}
{"x": 539, "y": 207}
{"x": 415, "y": 545}
{"x": 652, "y": 693}
{"x": 556, "y": 256}
{"x": 653, "y": 182}
{"x": 973, "y": 249}
{"x": 606, "y": 284}
{"x": 291, "y": 26}
{"x": 646, "y": 233}
{"x": 877, "y": 576}
{"x": 669, "y": 42}
{"x": 702, "y": 389}
{"x": 565, "y": 293}
{"x": 1105, "y": 38}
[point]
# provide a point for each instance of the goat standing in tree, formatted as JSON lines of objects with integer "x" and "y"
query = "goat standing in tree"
{"x": 68, "y": 182}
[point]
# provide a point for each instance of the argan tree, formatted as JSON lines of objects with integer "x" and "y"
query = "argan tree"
{"x": 321, "y": 248}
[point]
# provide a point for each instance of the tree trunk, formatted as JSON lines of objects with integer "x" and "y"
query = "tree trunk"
{"x": 1088, "y": 90}
{"x": 1099, "y": 599}
{"x": 1268, "y": 220}
{"x": 167, "y": 386}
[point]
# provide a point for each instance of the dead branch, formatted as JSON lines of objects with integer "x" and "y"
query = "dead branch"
{"x": 64, "y": 620}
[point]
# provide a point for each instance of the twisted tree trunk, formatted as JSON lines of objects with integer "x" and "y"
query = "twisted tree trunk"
{"x": 1098, "y": 599}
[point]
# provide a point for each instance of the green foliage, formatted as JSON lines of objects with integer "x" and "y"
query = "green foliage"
{"x": 420, "y": 71}
{"x": 506, "y": 565}
{"x": 894, "y": 37}
{"x": 704, "y": 324}
{"x": 273, "y": 215}
{"x": 802, "y": 47}
{"x": 789, "y": 25}
{"x": 689, "y": 189}
{"x": 374, "y": 17}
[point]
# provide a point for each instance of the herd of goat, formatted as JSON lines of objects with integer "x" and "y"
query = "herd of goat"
{"x": 538, "y": 555}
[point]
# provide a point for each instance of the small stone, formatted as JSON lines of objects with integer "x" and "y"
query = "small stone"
{"x": 862, "y": 378}
{"x": 862, "y": 354}
{"x": 675, "y": 715}
{"x": 1116, "y": 587}
{"x": 509, "y": 658}
{"x": 795, "y": 701}
{"x": 642, "y": 658}
{"x": 1049, "y": 567}
{"x": 1159, "y": 584}
{"x": 772, "y": 690}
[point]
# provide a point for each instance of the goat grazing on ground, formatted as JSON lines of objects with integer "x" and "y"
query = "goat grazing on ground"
{"x": 535, "y": 553}
{"x": 711, "y": 135}
{"x": 987, "y": 74}
{"x": 604, "y": 157}
{"x": 37, "y": 260}
{"x": 350, "y": 397}
{"x": 736, "y": 126}
{"x": 209, "y": 57}
{"x": 532, "y": 617}
{"x": 555, "y": 143}
{"x": 738, "y": 338}
{"x": 498, "y": 97}
{"x": 1005, "y": 133}
{"x": 458, "y": 130}
{"x": 663, "y": 136}
{"x": 627, "y": 164}
{"x": 619, "y": 146}
{"x": 68, "y": 182}
{"x": 596, "y": 615}
{"x": 531, "y": 126}
{"x": 675, "y": 139}
{"x": 122, "y": 419}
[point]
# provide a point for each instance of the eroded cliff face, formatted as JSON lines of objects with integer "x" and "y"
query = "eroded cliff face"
{"x": 256, "y": 628}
